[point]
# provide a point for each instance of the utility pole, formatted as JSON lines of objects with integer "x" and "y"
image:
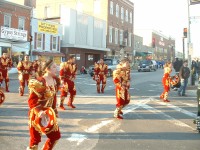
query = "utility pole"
{"x": 183, "y": 48}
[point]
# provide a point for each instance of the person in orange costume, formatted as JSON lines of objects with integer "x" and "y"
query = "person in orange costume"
{"x": 100, "y": 75}
{"x": 5, "y": 64}
{"x": 67, "y": 76}
{"x": 25, "y": 69}
{"x": 166, "y": 80}
{"x": 121, "y": 80}
{"x": 42, "y": 99}
{"x": 37, "y": 64}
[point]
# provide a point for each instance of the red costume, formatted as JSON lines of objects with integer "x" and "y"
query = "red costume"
{"x": 67, "y": 77}
{"x": 5, "y": 64}
{"x": 166, "y": 84}
{"x": 42, "y": 97}
{"x": 100, "y": 75}
{"x": 121, "y": 79}
{"x": 37, "y": 67}
{"x": 25, "y": 72}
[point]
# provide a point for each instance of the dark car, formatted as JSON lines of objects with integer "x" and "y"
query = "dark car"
{"x": 147, "y": 65}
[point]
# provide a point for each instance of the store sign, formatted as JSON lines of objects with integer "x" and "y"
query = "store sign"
{"x": 13, "y": 34}
{"x": 47, "y": 27}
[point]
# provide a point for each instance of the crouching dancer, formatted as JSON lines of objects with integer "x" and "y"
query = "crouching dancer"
{"x": 43, "y": 112}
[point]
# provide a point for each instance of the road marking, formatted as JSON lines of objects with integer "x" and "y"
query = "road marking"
{"x": 178, "y": 109}
{"x": 94, "y": 128}
{"x": 79, "y": 138}
{"x": 167, "y": 117}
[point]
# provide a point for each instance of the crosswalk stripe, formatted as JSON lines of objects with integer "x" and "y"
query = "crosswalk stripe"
{"x": 188, "y": 113}
{"x": 167, "y": 117}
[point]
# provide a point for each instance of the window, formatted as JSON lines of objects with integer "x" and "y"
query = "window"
{"x": 131, "y": 17}
{"x": 122, "y": 13}
{"x": 47, "y": 12}
{"x": 78, "y": 56}
{"x": 21, "y": 23}
{"x": 116, "y": 36}
{"x": 54, "y": 43}
{"x": 117, "y": 10}
{"x": 111, "y": 7}
{"x": 121, "y": 37}
{"x": 129, "y": 39}
{"x": 110, "y": 34}
{"x": 7, "y": 20}
{"x": 39, "y": 41}
{"x": 126, "y": 16}
{"x": 90, "y": 57}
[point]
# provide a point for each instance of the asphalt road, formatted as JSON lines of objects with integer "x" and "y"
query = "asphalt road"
{"x": 149, "y": 124}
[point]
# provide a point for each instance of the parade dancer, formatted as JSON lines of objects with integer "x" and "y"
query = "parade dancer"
{"x": 100, "y": 75}
{"x": 166, "y": 81}
{"x": 67, "y": 77}
{"x": 43, "y": 112}
{"x": 121, "y": 80}
{"x": 37, "y": 64}
{"x": 25, "y": 72}
{"x": 5, "y": 65}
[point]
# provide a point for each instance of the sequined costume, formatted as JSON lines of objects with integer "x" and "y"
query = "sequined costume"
{"x": 121, "y": 79}
{"x": 67, "y": 77}
{"x": 166, "y": 80}
{"x": 42, "y": 98}
{"x": 25, "y": 72}
{"x": 100, "y": 76}
{"x": 5, "y": 64}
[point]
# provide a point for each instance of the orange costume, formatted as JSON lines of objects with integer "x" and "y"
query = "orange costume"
{"x": 25, "y": 72}
{"x": 100, "y": 75}
{"x": 42, "y": 100}
{"x": 67, "y": 77}
{"x": 166, "y": 80}
{"x": 37, "y": 66}
{"x": 121, "y": 79}
{"x": 5, "y": 64}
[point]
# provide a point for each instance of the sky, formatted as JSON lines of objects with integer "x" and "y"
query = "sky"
{"x": 169, "y": 17}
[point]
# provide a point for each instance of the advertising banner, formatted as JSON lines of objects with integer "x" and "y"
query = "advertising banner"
{"x": 47, "y": 27}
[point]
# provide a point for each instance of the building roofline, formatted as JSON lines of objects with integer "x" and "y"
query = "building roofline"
{"x": 14, "y": 4}
{"x": 129, "y": 3}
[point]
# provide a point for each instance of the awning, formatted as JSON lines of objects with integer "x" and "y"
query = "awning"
{"x": 48, "y": 53}
{"x": 22, "y": 47}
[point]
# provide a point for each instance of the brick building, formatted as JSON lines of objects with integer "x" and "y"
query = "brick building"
{"x": 120, "y": 28}
{"x": 15, "y": 29}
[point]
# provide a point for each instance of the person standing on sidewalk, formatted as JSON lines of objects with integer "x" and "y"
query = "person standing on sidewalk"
{"x": 25, "y": 69}
{"x": 43, "y": 113}
{"x": 184, "y": 74}
{"x": 67, "y": 76}
{"x": 121, "y": 80}
{"x": 5, "y": 65}
{"x": 100, "y": 75}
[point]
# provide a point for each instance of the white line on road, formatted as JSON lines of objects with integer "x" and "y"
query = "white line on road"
{"x": 178, "y": 109}
{"x": 167, "y": 117}
{"x": 79, "y": 138}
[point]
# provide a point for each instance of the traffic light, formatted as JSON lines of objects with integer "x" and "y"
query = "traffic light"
{"x": 185, "y": 32}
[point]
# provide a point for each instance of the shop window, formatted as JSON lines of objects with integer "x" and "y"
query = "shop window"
{"x": 7, "y": 20}
{"x": 21, "y": 22}
{"x": 90, "y": 57}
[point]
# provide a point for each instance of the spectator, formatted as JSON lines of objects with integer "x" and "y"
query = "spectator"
{"x": 183, "y": 75}
{"x": 83, "y": 70}
{"x": 177, "y": 65}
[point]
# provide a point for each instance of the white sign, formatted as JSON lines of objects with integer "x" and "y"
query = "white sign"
{"x": 13, "y": 34}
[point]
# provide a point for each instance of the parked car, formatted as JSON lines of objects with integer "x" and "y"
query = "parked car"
{"x": 112, "y": 65}
{"x": 147, "y": 65}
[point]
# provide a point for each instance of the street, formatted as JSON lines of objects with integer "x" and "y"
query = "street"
{"x": 148, "y": 124}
